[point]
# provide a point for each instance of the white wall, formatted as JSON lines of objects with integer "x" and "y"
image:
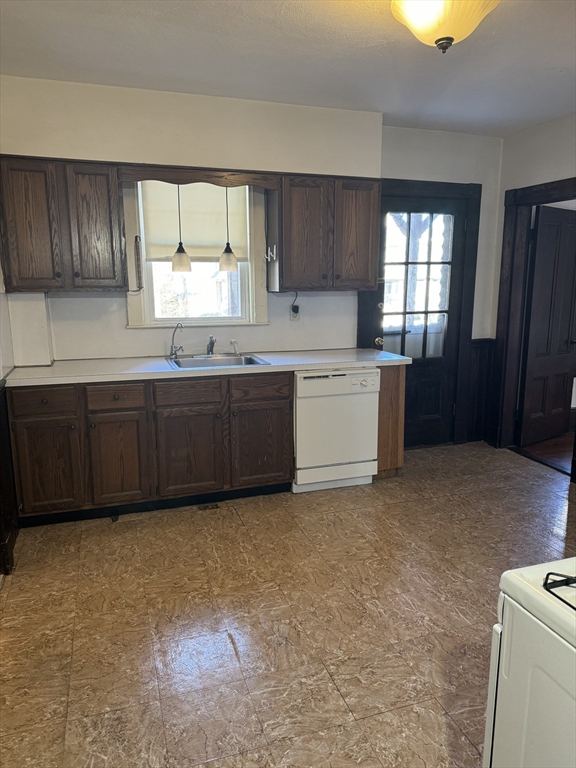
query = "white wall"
{"x": 96, "y": 122}
{"x": 410, "y": 153}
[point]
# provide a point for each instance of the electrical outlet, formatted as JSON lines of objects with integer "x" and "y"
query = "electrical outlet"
{"x": 294, "y": 312}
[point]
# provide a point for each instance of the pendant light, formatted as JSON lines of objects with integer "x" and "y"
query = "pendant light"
{"x": 442, "y": 23}
{"x": 228, "y": 261}
{"x": 180, "y": 260}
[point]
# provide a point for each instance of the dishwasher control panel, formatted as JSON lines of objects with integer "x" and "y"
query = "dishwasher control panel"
{"x": 318, "y": 384}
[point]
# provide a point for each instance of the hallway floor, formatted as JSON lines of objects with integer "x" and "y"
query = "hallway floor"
{"x": 556, "y": 452}
{"x": 340, "y": 628}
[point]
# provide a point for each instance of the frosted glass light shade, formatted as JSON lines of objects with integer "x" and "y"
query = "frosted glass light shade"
{"x": 228, "y": 261}
{"x": 434, "y": 20}
{"x": 181, "y": 260}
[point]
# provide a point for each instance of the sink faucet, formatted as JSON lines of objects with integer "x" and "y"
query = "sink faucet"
{"x": 234, "y": 345}
{"x": 174, "y": 349}
{"x": 210, "y": 345}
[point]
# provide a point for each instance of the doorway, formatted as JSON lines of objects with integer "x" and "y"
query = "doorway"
{"x": 533, "y": 408}
{"x": 423, "y": 305}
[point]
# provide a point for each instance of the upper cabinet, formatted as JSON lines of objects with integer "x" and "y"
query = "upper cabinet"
{"x": 62, "y": 226}
{"x": 327, "y": 233}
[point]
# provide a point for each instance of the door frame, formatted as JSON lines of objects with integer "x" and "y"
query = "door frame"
{"x": 471, "y": 194}
{"x": 511, "y": 323}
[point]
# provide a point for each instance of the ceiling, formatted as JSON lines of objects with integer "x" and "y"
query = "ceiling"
{"x": 516, "y": 70}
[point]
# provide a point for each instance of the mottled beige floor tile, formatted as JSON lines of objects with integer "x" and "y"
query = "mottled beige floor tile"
{"x": 270, "y": 645}
{"x": 211, "y": 723}
{"x": 453, "y": 660}
{"x": 422, "y": 735}
{"x": 26, "y": 702}
{"x": 51, "y": 546}
{"x": 378, "y": 682}
{"x": 106, "y": 536}
{"x": 186, "y": 614}
{"x": 105, "y": 593}
{"x": 4, "y": 589}
{"x": 112, "y": 665}
{"x": 261, "y": 602}
{"x": 297, "y": 701}
{"x": 262, "y": 758}
{"x": 186, "y": 664}
{"x": 468, "y": 710}
{"x": 126, "y": 738}
{"x": 35, "y": 647}
{"x": 43, "y": 592}
{"x": 344, "y": 746}
{"x": 37, "y": 747}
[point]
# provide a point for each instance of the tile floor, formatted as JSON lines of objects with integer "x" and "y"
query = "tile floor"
{"x": 341, "y": 628}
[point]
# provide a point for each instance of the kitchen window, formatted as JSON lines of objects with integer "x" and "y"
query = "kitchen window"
{"x": 205, "y": 295}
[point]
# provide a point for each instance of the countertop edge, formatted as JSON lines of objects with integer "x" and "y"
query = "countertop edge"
{"x": 87, "y": 378}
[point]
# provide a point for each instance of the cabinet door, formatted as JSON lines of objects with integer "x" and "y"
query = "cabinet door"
{"x": 262, "y": 450}
{"x": 96, "y": 227}
{"x": 307, "y": 232}
{"x": 356, "y": 234}
{"x": 49, "y": 463}
{"x": 32, "y": 248}
{"x": 119, "y": 457}
{"x": 191, "y": 449}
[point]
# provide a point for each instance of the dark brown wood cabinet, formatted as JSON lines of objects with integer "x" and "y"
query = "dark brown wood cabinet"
{"x": 328, "y": 233}
{"x": 49, "y": 462}
{"x": 104, "y": 445}
{"x": 33, "y": 253}
{"x": 62, "y": 226}
{"x": 119, "y": 457}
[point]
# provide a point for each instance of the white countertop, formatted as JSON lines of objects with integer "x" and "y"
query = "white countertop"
{"x": 138, "y": 368}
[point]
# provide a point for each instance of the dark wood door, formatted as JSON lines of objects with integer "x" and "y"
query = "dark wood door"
{"x": 261, "y": 435}
{"x": 120, "y": 457}
{"x": 356, "y": 234}
{"x": 416, "y": 310}
{"x": 32, "y": 247}
{"x": 96, "y": 226}
{"x": 307, "y": 232}
{"x": 551, "y": 336}
{"x": 191, "y": 449}
{"x": 8, "y": 503}
{"x": 50, "y": 464}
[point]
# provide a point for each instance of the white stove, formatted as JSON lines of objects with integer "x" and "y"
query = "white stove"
{"x": 531, "y": 713}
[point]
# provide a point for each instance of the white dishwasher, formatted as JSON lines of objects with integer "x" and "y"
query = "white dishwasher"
{"x": 336, "y": 428}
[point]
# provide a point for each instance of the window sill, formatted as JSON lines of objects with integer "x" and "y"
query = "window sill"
{"x": 204, "y": 324}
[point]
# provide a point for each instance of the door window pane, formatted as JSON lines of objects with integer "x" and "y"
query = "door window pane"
{"x": 396, "y": 229}
{"x": 439, "y": 287}
{"x": 436, "y": 334}
{"x": 394, "y": 276}
{"x": 442, "y": 236}
{"x": 417, "y": 282}
{"x": 414, "y": 335}
{"x": 419, "y": 237}
{"x": 392, "y": 333}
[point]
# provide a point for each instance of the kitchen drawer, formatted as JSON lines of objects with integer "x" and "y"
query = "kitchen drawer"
{"x": 189, "y": 392}
{"x": 263, "y": 386}
{"x": 41, "y": 401}
{"x": 115, "y": 397}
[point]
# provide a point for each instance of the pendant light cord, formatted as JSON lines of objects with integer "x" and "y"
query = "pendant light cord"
{"x": 179, "y": 217}
{"x": 227, "y": 222}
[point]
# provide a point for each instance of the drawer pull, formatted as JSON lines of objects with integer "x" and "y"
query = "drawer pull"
{"x": 58, "y": 274}
{"x": 72, "y": 426}
{"x": 234, "y": 413}
{"x": 44, "y": 402}
{"x": 337, "y": 277}
{"x": 92, "y": 426}
{"x": 76, "y": 274}
{"x": 116, "y": 397}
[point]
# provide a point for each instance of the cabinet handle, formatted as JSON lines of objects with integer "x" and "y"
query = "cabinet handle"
{"x": 58, "y": 274}
{"x": 72, "y": 426}
{"x": 116, "y": 397}
{"x": 337, "y": 277}
{"x": 76, "y": 274}
{"x": 234, "y": 413}
{"x": 217, "y": 415}
{"x": 324, "y": 277}
{"x": 44, "y": 402}
{"x": 92, "y": 426}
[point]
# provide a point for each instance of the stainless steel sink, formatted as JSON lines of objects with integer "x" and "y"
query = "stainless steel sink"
{"x": 215, "y": 361}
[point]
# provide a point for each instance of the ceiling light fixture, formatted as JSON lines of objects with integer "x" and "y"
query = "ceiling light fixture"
{"x": 442, "y": 22}
{"x": 228, "y": 260}
{"x": 180, "y": 260}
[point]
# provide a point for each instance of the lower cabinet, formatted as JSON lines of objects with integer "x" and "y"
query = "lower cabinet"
{"x": 191, "y": 450}
{"x": 111, "y": 444}
{"x": 119, "y": 457}
{"x": 261, "y": 437}
{"x": 48, "y": 456}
